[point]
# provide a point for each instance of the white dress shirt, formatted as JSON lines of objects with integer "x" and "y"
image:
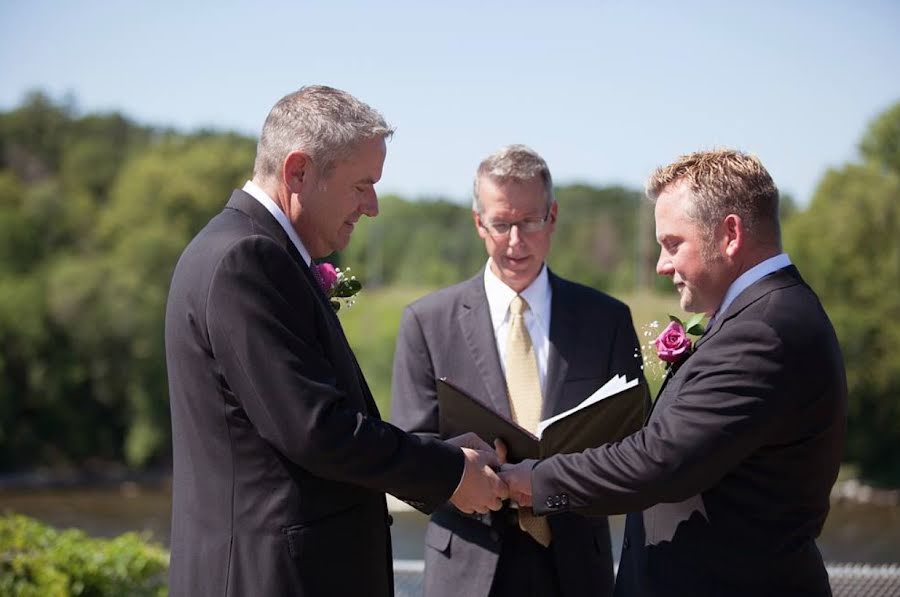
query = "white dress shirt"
{"x": 538, "y": 295}
{"x": 252, "y": 189}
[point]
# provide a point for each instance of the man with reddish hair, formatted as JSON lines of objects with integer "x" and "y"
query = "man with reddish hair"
{"x": 727, "y": 485}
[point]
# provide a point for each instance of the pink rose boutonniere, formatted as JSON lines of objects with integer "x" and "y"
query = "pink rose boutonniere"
{"x": 669, "y": 347}
{"x": 673, "y": 344}
{"x": 328, "y": 275}
{"x": 338, "y": 285}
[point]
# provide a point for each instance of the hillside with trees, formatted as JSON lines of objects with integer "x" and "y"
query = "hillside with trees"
{"x": 95, "y": 209}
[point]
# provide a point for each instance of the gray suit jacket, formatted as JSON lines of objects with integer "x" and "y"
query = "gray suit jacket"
{"x": 734, "y": 467}
{"x": 449, "y": 334}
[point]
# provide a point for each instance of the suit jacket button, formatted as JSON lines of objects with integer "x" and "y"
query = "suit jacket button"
{"x": 565, "y": 500}
{"x": 390, "y": 520}
{"x": 549, "y": 502}
{"x": 626, "y": 544}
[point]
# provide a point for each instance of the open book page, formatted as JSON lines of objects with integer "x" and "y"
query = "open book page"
{"x": 616, "y": 384}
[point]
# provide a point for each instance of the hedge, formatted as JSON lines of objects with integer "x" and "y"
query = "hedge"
{"x": 37, "y": 560}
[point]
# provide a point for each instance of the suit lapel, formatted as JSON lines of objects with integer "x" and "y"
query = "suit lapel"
{"x": 788, "y": 276}
{"x": 782, "y": 278}
{"x": 335, "y": 324}
{"x": 563, "y": 330}
{"x": 478, "y": 331}
{"x": 670, "y": 373}
{"x": 307, "y": 271}
{"x": 246, "y": 204}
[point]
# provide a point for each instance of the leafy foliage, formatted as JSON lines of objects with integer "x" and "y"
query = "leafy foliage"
{"x": 95, "y": 210}
{"x": 39, "y": 561}
{"x": 847, "y": 243}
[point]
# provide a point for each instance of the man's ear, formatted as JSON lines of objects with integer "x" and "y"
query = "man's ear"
{"x": 477, "y": 219}
{"x": 296, "y": 170}
{"x": 733, "y": 234}
{"x": 552, "y": 214}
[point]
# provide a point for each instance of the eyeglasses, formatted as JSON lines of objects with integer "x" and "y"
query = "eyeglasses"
{"x": 526, "y": 226}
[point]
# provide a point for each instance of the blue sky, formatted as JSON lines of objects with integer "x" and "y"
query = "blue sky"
{"x": 605, "y": 91}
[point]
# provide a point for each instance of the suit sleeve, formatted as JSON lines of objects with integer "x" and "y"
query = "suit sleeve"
{"x": 414, "y": 405}
{"x": 263, "y": 332}
{"x": 722, "y": 412}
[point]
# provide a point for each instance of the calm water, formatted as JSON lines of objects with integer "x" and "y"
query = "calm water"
{"x": 853, "y": 533}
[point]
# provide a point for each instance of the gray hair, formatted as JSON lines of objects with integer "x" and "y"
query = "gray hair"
{"x": 324, "y": 122}
{"x": 513, "y": 163}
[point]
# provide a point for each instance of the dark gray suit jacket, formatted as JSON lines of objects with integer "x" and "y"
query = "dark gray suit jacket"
{"x": 450, "y": 334}
{"x": 280, "y": 459}
{"x": 734, "y": 467}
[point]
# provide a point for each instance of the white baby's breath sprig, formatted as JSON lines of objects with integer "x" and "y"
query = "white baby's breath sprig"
{"x": 653, "y": 368}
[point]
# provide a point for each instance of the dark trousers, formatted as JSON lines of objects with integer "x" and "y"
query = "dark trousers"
{"x": 525, "y": 568}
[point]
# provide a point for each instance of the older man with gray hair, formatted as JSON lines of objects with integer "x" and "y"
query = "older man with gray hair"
{"x": 281, "y": 460}
{"x": 530, "y": 345}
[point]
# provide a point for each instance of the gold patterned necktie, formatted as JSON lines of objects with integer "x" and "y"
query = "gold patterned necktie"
{"x": 524, "y": 385}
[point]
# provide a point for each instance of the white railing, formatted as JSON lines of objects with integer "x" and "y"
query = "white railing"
{"x": 847, "y": 580}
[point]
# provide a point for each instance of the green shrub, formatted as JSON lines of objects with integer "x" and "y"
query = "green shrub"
{"x": 39, "y": 561}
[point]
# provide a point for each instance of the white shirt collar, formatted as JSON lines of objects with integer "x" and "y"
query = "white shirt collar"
{"x": 754, "y": 274}
{"x": 254, "y": 190}
{"x": 499, "y": 296}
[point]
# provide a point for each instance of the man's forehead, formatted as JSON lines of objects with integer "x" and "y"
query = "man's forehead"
{"x": 672, "y": 217}
{"x": 364, "y": 164}
{"x": 512, "y": 195}
{"x": 505, "y": 211}
{"x": 673, "y": 202}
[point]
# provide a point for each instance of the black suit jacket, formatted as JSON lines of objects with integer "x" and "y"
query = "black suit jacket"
{"x": 280, "y": 458}
{"x": 450, "y": 334}
{"x": 734, "y": 467}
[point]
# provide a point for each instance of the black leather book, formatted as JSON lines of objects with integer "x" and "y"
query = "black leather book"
{"x": 609, "y": 415}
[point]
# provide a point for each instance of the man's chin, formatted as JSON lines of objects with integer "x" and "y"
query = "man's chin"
{"x": 520, "y": 268}
{"x": 341, "y": 243}
{"x": 517, "y": 280}
{"x": 689, "y": 307}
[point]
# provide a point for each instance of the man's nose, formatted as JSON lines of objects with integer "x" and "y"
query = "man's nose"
{"x": 664, "y": 265}
{"x": 369, "y": 205}
{"x": 515, "y": 237}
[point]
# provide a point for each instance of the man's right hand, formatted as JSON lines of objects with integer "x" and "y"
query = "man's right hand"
{"x": 480, "y": 489}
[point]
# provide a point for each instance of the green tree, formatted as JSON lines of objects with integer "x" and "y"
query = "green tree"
{"x": 94, "y": 212}
{"x": 159, "y": 200}
{"x": 601, "y": 239}
{"x": 847, "y": 243}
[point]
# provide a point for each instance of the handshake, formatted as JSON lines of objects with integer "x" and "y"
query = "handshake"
{"x": 487, "y": 479}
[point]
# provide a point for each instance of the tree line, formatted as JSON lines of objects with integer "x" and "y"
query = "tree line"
{"x": 95, "y": 209}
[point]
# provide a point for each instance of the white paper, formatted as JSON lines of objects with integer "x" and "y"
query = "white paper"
{"x": 616, "y": 384}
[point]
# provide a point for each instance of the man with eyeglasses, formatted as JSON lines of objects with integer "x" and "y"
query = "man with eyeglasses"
{"x": 530, "y": 345}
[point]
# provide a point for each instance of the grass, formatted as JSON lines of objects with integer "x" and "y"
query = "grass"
{"x": 371, "y": 326}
